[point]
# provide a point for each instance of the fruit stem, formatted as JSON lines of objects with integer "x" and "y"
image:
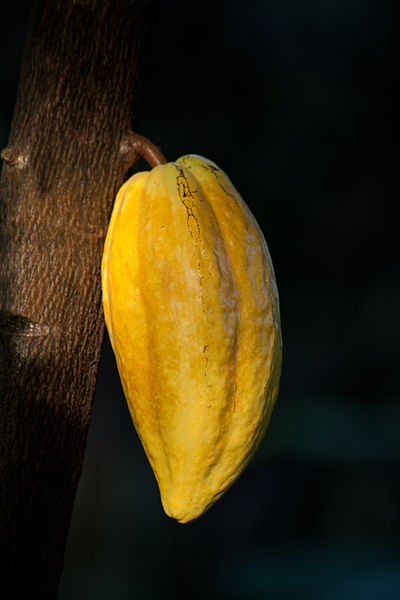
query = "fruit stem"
{"x": 136, "y": 146}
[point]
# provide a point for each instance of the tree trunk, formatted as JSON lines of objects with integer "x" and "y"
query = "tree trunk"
{"x": 64, "y": 162}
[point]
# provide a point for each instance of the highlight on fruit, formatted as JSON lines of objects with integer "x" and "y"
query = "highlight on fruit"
{"x": 192, "y": 310}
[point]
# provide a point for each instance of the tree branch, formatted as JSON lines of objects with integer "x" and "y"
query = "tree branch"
{"x": 78, "y": 91}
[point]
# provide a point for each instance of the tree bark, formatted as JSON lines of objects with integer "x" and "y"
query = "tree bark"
{"x": 65, "y": 159}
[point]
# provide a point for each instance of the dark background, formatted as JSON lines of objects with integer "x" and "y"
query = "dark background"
{"x": 296, "y": 101}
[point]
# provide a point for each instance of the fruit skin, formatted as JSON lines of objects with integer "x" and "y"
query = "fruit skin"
{"x": 192, "y": 310}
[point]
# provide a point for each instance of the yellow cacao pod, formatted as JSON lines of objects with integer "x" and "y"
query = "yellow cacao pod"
{"x": 191, "y": 307}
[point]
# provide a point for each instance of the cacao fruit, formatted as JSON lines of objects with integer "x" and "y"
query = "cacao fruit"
{"x": 191, "y": 306}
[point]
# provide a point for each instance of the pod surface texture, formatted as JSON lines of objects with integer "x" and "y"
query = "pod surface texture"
{"x": 192, "y": 311}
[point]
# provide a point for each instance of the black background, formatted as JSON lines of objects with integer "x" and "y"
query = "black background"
{"x": 297, "y": 102}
